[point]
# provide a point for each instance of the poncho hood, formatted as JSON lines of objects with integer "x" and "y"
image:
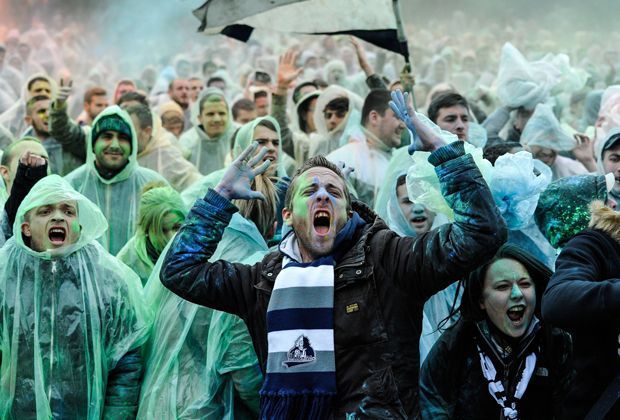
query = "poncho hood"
{"x": 132, "y": 163}
{"x": 51, "y": 190}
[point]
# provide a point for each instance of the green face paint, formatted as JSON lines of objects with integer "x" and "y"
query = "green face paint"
{"x": 111, "y": 151}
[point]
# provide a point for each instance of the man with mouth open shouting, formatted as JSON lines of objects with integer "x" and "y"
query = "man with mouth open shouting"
{"x": 335, "y": 313}
{"x": 71, "y": 316}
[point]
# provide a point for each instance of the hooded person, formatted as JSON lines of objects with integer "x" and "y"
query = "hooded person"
{"x": 337, "y": 118}
{"x": 500, "y": 359}
{"x": 562, "y": 209}
{"x": 160, "y": 216}
{"x": 13, "y": 119}
{"x": 201, "y": 363}
{"x": 245, "y": 135}
{"x": 111, "y": 177}
{"x": 209, "y": 140}
{"x": 591, "y": 107}
{"x": 72, "y": 319}
{"x": 608, "y": 159}
{"x": 156, "y": 150}
{"x": 544, "y": 137}
{"x": 581, "y": 297}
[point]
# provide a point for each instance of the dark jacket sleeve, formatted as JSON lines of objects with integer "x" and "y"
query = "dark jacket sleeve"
{"x": 123, "y": 388}
{"x": 278, "y": 111}
{"x": 430, "y": 263}
{"x": 438, "y": 380}
{"x": 25, "y": 178}
{"x": 576, "y": 287}
{"x": 374, "y": 82}
{"x": 67, "y": 132}
{"x": 187, "y": 272}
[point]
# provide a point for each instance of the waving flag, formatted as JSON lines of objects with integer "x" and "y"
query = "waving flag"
{"x": 374, "y": 21}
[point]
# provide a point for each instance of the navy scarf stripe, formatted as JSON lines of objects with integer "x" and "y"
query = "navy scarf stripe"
{"x": 311, "y": 319}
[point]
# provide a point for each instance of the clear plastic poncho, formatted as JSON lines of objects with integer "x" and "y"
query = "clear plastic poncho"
{"x": 195, "y": 350}
{"x": 543, "y": 129}
{"x": 13, "y": 118}
{"x": 244, "y": 138}
{"x": 67, "y": 316}
{"x": 118, "y": 198}
{"x": 208, "y": 154}
{"x": 322, "y": 142}
{"x": 528, "y": 83}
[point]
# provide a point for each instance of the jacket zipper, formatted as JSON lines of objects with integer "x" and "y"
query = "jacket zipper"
{"x": 52, "y": 313}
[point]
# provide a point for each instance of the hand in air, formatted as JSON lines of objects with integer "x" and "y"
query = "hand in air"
{"x": 237, "y": 180}
{"x": 287, "y": 69}
{"x": 32, "y": 160}
{"x": 64, "y": 91}
{"x": 404, "y": 112}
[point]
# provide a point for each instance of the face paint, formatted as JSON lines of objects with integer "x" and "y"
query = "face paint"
{"x": 509, "y": 297}
{"x": 112, "y": 150}
{"x": 319, "y": 211}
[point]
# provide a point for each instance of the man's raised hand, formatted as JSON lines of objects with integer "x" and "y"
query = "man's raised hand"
{"x": 64, "y": 91}
{"x": 287, "y": 69}
{"x": 237, "y": 180}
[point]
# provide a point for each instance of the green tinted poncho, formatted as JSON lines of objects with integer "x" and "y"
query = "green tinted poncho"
{"x": 67, "y": 316}
{"x": 201, "y": 362}
{"x": 118, "y": 197}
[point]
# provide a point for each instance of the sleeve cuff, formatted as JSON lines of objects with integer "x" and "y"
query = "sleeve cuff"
{"x": 447, "y": 152}
{"x": 220, "y": 202}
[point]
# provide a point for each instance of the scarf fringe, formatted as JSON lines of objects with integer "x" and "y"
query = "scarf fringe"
{"x": 301, "y": 406}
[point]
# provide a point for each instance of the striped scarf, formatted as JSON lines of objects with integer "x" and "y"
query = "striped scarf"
{"x": 301, "y": 366}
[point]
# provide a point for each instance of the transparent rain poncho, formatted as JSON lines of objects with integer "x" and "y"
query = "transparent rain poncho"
{"x": 244, "y": 137}
{"x": 118, "y": 197}
{"x": 195, "y": 351}
{"x": 155, "y": 205}
{"x": 609, "y": 112}
{"x": 522, "y": 83}
{"x": 13, "y": 118}
{"x": 543, "y": 129}
{"x": 67, "y": 316}
{"x": 208, "y": 154}
{"x": 322, "y": 142}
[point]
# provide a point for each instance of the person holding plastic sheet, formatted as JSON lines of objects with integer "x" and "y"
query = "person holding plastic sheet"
{"x": 500, "y": 360}
{"x": 160, "y": 216}
{"x": 201, "y": 362}
{"x": 335, "y": 312}
{"x": 111, "y": 177}
{"x": 72, "y": 318}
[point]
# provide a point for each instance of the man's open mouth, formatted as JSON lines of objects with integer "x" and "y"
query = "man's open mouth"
{"x": 322, "y": 222}
{"x": 57, "y": 235}
{"x": 516, "y": 313}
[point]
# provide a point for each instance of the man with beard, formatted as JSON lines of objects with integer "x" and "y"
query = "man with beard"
{"x": 62, "y": 159}
{"x": 335, "y": 313}
{"x": 111, "y": 177}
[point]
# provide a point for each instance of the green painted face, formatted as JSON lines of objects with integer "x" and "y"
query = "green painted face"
{"x": 112, "y": 150}
{"x": 319, "y": 211}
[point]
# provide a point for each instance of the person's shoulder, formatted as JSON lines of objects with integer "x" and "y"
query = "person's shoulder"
{"x": 145, "y": 175}
{"x": 77, "y": 175}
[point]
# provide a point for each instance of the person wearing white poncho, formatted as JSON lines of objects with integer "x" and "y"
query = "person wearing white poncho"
{"x": 209, "y": 141}
{"x": 72, "y": 318}
{"x": 111, "y": 177}
{"x": 544, "y": 137}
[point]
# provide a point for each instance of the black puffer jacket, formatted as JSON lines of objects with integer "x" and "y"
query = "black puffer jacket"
{"x": 583, "y": 297}
{"x": 383, "y": 280}
{"x": 452, "y": 385}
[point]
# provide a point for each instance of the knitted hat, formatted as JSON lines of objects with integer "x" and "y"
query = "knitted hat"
{"x": 110, "y": 123}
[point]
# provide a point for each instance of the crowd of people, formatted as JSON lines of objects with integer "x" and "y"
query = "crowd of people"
{"x": 304, "y": 227}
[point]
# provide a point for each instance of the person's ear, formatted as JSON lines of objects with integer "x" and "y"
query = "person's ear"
{"x": 26, "y": 230}
{"x": 4, "y": 172}
{"x": 287, "y": 217}
{"x": 481, "y": 303}
{"x": 373, "y": 117}
{"x": 28, "y": 120}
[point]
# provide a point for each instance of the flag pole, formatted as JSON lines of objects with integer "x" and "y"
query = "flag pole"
{"x": 402, "y": 39}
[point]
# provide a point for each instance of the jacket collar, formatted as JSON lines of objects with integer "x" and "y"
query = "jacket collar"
{"x": 605, "y": 219}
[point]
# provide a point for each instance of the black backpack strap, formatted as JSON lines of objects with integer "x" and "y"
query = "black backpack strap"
{"x": 606, "y": 401}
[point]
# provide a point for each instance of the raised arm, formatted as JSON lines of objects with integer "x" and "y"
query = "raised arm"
{"x": 186, "y": 270}
{"x": 287, "y": 73}
{"x": 62, "y": 128}
{"x": 577, "y": 287}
